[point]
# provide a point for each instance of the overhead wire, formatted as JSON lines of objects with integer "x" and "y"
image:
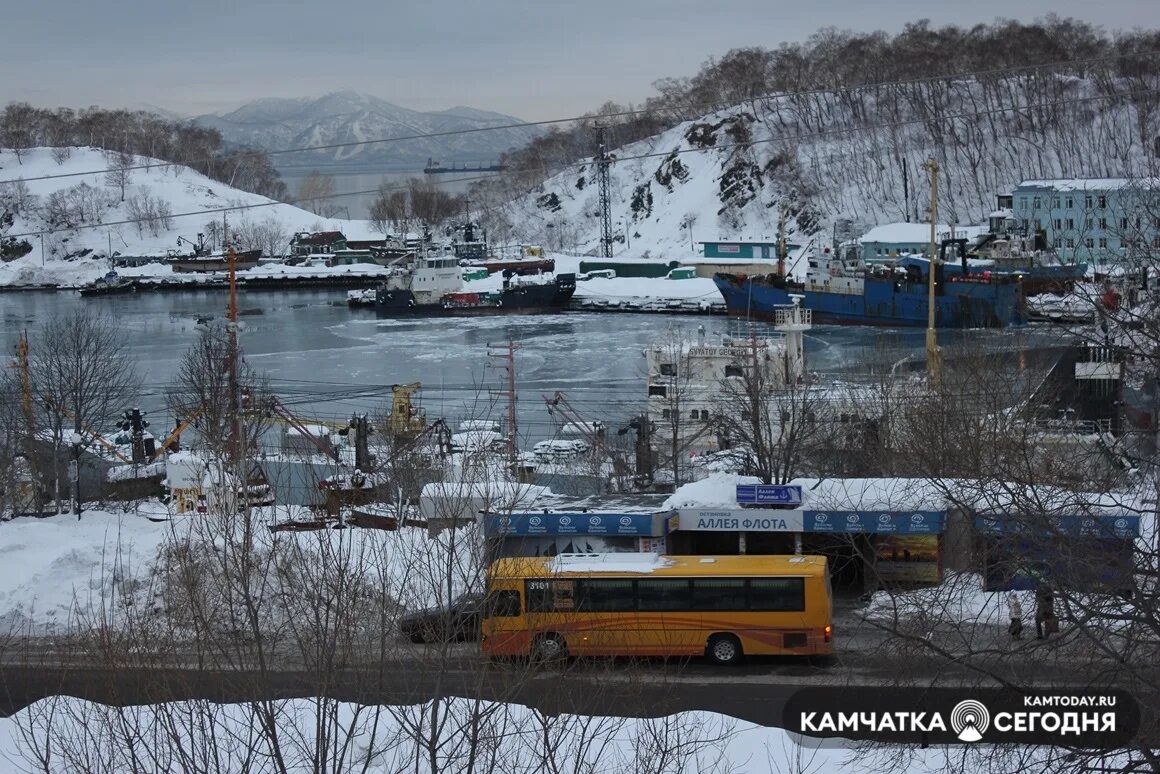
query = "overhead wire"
{"x": 716, "y": 104}
{"x": 618, "y": 159}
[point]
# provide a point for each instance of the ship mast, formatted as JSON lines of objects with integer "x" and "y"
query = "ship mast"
{"x": 232, "y": 333}
{"x": 933, "y": 368}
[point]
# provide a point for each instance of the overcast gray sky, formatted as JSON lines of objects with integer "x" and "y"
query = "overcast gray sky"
{"x": 535, "y": 60}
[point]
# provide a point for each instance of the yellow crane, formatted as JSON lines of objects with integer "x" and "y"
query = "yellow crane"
{"x": 406, "y": 420}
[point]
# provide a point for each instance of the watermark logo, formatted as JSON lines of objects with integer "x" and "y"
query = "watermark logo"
{"x": 535, "y": 521}
{"x": 970, "y": 720}
{"x": 852, "y": 518}
{"x": 884, "y": 518}
{"x": 822, "y": 518}
{"x": 625, "y": 521}
{"x": 565, "y": 521}
{"x": 1106, "y": 718}
{"x": 917, "y": 518}
{"x": 594, "y": 521}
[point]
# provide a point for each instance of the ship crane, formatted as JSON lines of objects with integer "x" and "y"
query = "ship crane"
{"x": 591, "y": 431}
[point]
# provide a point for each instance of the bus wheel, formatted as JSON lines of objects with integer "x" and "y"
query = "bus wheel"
{"x": 549, "y": 647}
{"x": 724, "y": 649}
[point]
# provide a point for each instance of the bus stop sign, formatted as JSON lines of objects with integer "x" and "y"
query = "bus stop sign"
{"x": 768, "y": 494}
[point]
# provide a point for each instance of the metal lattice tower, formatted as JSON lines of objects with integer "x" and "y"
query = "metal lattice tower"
{"x": 602, "y": 165}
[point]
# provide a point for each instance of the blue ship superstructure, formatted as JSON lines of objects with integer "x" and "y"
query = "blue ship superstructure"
{"x": 1038, "y": 270}
{"x": 848, "y": 292}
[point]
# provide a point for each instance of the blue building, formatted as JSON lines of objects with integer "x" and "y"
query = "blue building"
{"x": 1090, "y": 220}
{"x": 745, "y": 249}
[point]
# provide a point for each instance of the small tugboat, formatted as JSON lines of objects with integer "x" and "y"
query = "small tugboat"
{"x": 433, "y": 286}
{"x": 109, "y": 285}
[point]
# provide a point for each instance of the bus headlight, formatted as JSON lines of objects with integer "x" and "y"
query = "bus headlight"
{"x": 828, "y": 633}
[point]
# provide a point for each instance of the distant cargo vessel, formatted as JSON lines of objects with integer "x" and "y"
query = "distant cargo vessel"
{"x": 847, "y": 291}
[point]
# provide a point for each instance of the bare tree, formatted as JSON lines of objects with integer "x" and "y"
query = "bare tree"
{"x": 316, "y": 193}
{"x": 431, "y": 206}
{"x": 774, "y": 428}
{"x": 119, "y": 172}
{"x": 390, "y": 212}
{"x": 150, "y": 213}
{"x": 18, "y": 128}
{"x": 203, "y": 392}
{"x": 270, "y": 236}
{"x": 83, "y": 376}
{"x": 679, "y": 403}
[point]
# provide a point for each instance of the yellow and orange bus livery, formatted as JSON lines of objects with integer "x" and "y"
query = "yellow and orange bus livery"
{"x": 723, "y": 607}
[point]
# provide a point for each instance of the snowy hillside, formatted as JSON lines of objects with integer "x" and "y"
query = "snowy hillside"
{"x": 86, "y": 214}
{"x": 851, "y": 157}
{"x": 343, "y": 117}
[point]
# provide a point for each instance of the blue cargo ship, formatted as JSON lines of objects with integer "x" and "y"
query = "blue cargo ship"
{"x": 851, "y": 293}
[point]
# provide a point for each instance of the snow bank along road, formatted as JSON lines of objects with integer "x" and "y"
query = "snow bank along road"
{"x": 754, "y": 692}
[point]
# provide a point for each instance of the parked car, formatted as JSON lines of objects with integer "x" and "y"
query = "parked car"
{"x": 458, "y": 621}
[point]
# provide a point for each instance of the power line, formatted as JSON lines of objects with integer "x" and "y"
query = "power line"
{"x": 233, "y": 208}
{"x": 891, "y": 124}
{"x": 715, "y": 104}
{"x": 581, "y": 164}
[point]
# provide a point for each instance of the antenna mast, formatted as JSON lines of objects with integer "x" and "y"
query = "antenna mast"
{"x": 507, "y": 357}
{"x": 602, "y": 165}
{"x": 933, "y": 369}
{"x": 232, "y": 333}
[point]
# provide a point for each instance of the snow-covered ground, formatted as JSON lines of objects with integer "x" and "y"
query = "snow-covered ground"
{"x": 57, "y": 570}
{"x": 509, "y": 738}
{"x": 184, "y": 190}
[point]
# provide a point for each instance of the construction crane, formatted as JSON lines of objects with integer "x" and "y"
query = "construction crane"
{"x": 96, "y": 436}
{"x": 591, "y": 431}
{"x": 406, "y": 421}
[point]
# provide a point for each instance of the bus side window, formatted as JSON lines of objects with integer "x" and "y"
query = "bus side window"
{"x": 663, "y": 594}
{"x": 607, "y": 595}
{"x": 504, "y": 604}
{"x": 718, "y": 594}
{"x": 777, "y": 594}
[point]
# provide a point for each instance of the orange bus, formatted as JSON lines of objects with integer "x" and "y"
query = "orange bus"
{"x": 723, "y": 607}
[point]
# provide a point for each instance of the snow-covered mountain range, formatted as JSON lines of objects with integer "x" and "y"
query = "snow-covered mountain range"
{"x": 851, "y": 158}
{"x": 346, "y": 116}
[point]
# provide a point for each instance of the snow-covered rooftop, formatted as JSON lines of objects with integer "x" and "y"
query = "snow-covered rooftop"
{"x": 916, "y": 233}
{"x": 641, "y": 563}
{"x": 1083, "y": 183}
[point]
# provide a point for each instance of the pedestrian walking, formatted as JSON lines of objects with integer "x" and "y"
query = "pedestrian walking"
{"x": 1016, "y": 611}
{"x": 1045, "y": 620}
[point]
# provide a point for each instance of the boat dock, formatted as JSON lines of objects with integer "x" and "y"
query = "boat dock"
{"x": 649, "y": 305}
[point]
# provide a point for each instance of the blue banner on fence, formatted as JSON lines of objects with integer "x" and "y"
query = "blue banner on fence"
{"x": 875, "y": 522}
{"x": 1122, "y": 527}
{"x": 769, "y": 494}
{"x": 626, "y": 524}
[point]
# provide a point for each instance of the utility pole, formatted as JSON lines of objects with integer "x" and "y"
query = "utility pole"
{"x": 507, "y": 358}
{"x": 26, "y": 405}
{"x": 781, "y": 242}
{"x": 933, "y": 367}
{"x": 602, "y": 165}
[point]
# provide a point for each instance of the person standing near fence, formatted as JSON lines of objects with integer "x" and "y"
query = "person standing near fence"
{"x": 1016, "y": 611}
{"x": 1045, "y": 621}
